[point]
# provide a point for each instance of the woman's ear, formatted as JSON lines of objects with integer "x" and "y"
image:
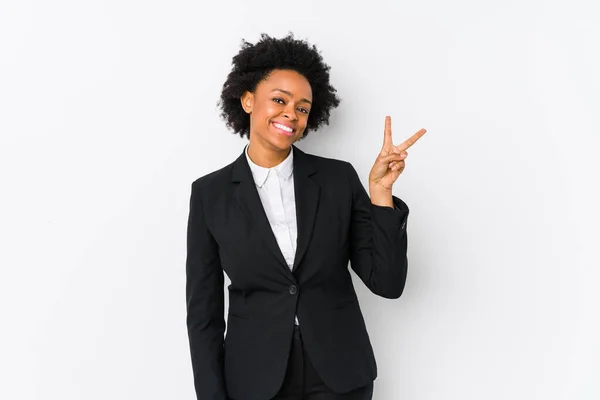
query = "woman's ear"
{"x": 247, "y": 100}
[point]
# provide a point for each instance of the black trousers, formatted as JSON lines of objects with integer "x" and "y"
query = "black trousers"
{"x": 302, "y": 382}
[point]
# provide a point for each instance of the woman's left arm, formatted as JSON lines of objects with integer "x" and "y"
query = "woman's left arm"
{"x": 378, "y": 228}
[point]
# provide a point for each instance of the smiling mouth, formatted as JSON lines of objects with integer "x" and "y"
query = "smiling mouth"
{"x": 285, "y": 130}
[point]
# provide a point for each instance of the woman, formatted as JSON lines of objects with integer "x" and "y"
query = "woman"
{"x": 283, "y": 225}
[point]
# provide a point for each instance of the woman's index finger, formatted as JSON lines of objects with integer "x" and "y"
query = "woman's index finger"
{"x": 411, "y": 140}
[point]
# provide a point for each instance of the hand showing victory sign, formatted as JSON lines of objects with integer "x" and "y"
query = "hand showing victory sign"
{"x": 390, "y": 162}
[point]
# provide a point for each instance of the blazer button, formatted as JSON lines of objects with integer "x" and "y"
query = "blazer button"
{"x": 293, "y": 289}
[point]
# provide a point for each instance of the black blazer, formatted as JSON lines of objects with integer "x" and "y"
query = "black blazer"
{"x": 228, "y": 230}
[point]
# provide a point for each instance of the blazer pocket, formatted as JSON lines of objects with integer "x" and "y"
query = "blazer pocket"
{"x": 239, "y": 315}
{"x": 345, "y": 303}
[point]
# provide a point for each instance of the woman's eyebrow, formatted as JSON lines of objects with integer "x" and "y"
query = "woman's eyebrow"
{"x": 291, "y": 95}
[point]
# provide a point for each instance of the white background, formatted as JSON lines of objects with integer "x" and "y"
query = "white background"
{"x": 108, "y": 113}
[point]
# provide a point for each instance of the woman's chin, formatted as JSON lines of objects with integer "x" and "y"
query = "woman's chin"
{"x": 283, "y": 142}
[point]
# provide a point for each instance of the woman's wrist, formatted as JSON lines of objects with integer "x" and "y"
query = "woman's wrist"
{"x": 381, "y": 197}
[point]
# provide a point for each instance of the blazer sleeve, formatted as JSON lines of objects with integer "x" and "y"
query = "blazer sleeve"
{"x": 204, "y": 304}
{"x": 378, "y": 241}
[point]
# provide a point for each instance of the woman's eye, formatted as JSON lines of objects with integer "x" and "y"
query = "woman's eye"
{"x": 303, "y": 110}
{"x": 278, "y": 100}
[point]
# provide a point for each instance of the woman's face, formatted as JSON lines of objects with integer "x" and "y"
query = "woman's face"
{"x": 278, "y": 109}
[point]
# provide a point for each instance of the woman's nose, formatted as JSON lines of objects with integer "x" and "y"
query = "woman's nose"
{"x": 290, "y": 112}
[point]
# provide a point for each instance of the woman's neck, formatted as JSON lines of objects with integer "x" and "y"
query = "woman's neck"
{"x": 266, "y": 157}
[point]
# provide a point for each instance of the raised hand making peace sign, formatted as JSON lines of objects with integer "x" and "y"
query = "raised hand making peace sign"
{"x": 390, "y": 162}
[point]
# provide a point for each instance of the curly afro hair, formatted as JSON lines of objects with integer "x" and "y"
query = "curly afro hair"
{"x": 255, "y": 62}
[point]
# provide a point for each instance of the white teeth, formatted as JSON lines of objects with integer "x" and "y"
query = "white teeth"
{"x": 285, "y": 128}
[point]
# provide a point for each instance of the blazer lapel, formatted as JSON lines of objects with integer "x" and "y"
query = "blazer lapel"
{"x": 306, "y": 192}
{"x": 248, "y": 198}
